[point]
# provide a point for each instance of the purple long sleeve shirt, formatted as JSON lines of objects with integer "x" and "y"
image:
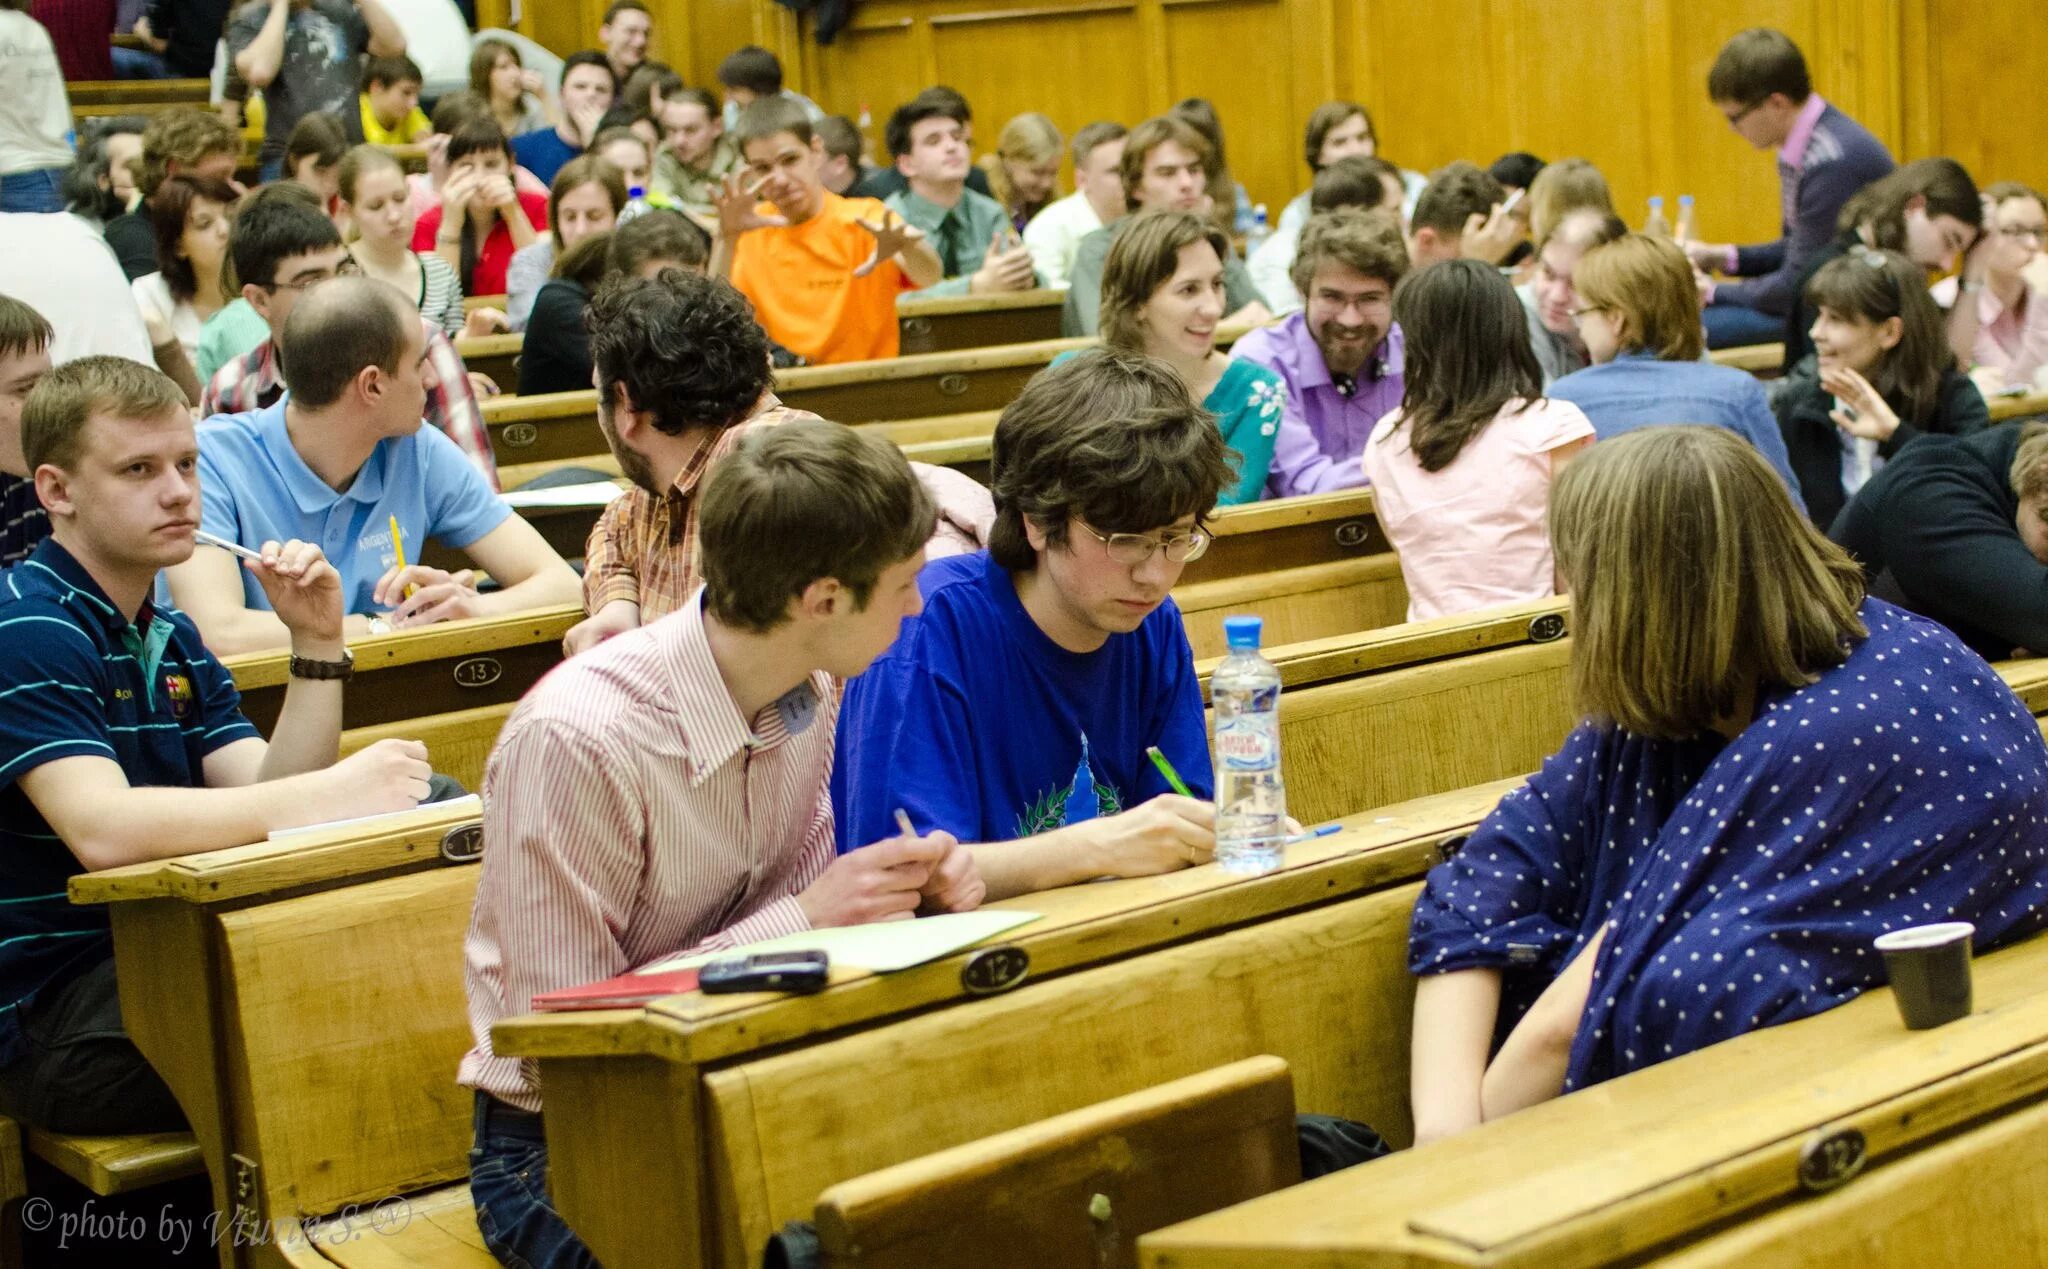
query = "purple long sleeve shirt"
{"x": 1323, "y": 432}
{"x": 1826, "y": 158}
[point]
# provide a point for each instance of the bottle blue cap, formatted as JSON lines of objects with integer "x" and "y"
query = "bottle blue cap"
{"x": 636, "y": 192}
{"x": 1243, "y": 632}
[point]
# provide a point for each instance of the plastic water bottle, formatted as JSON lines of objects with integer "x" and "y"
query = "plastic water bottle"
{"x": 1686, "y": 231}
{"x": 1261, "y": 229}
{"x": 636, "y": 205}
{"x": 1251, "y": 802}
{"x": 1656, "y": 226}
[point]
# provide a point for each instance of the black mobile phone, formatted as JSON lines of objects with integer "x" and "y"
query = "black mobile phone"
{"x": 798, "y": 972}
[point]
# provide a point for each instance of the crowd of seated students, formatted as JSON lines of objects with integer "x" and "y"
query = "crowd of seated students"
{"x": 280, "y": 370}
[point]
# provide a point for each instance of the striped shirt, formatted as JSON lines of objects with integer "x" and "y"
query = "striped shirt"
{"x": 631, "y": 814}
{"x": 78, "y": 679}
{"x": 643, "y": 549}
{"x": 440, "y": 297}
{"x": 23, "y": 522}
{"x": 253, "y": 382}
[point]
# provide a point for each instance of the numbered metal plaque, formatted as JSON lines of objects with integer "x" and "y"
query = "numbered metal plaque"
{"x": 1547, "y": 627}
{"x": 463, "y": 844}
{"x": 954, "y": 385}
{"x": 1830, "y": 1160}
{"x": 916, "y": 327}
{"x": 478, "y": 671}
{"x": 994, "y": 970}
{"x": 518, "y": 435}
{"x": 1352, "y": 534}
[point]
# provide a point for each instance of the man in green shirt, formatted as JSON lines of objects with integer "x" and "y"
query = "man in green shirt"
{"x": 696, "y": 155}
{"x": 977, "y": 246}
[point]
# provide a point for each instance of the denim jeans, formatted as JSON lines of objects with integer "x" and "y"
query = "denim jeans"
{"x": 508, "y": 1183}
{"x": 35, "y": 191}
{"x": 1734, "y": 326}
{"x": 135, "y": 63}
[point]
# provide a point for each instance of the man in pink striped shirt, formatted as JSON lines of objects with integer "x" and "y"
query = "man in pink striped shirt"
{"x": 666, "y": 792}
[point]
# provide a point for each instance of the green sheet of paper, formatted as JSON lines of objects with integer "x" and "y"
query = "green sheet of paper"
{"x": 882, "y": 947}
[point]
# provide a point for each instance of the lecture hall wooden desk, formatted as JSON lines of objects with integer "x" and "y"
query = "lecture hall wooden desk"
{"x": 1724, "y": 1156}
{"x": 645, "y": 1169}
{"x": 947, "y": 323}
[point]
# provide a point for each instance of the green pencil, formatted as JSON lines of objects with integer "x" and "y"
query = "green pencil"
{"x": 1166, "y": 769}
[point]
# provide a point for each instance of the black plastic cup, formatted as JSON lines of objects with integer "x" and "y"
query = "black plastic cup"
{"x": 1930, "y": 971}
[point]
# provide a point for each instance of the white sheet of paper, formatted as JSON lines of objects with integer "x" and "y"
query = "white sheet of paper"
{"x": 468, "y": 805}
{"x": 597, "y": 493}
{"x": 883, "y": 946}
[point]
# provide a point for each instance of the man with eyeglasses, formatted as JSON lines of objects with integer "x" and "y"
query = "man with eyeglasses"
{"x": 1759, "y": 84}
{"x": 1341, "y": 356}
{"x": 1015, "y": 713}
{"x": 283, "y": 245}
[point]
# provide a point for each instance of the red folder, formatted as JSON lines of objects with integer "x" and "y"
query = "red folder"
{"x": 622, "y": 992}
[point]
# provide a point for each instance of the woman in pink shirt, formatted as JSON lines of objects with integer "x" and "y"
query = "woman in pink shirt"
{"x": 2000, "y": 326}
{"x": 1461, "y": 471}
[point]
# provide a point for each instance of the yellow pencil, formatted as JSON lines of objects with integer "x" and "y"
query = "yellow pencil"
{"x": 398, "y": 546}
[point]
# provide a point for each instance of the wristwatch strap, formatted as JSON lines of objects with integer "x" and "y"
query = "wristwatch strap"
{"x": 307, "y": 668}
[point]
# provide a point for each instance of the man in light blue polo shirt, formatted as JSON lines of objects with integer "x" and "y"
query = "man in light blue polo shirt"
{"x": 334, "y": 462}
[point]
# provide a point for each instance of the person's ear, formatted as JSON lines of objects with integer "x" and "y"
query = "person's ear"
{"x": 369, "y": 384}
{"x": 1890, "y": 331}
{"x": 53, "y": 490}
{"x": 1035, "y": 534}
{"x": 1917, "y": 203}
{"x": 259, "y": 299}
{"x": 823, "y": 598}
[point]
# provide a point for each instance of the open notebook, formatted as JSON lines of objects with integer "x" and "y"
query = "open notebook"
{"x": 883, "y": 947}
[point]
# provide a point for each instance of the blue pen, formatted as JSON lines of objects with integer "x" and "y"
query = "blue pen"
{"x": 1320, "y": 831}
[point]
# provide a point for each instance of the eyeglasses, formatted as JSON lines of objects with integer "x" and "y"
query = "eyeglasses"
{"x": 1735, "y": 120}
{"x": 1578, "y": 313}
{"x": 1133, "y": 549}
{"x": 346, "y": 269}
{"x": 2037, "y": 234}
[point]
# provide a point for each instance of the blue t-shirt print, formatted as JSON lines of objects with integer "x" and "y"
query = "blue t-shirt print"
{"x": 976, "y": 723}
{"x": 1081, "y": 799}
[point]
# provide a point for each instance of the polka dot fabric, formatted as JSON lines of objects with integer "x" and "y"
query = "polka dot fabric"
{"x": 1745, "y": 880}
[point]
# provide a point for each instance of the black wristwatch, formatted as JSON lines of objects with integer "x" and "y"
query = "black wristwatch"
{"x": 307, "y": 668}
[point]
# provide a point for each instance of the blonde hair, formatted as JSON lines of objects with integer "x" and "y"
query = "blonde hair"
{"x": 1565, "y": 186}
{"x": 1026, "y": 138}
{"x": 2029, "y": 473}
{"x": 1648, "y": 283}
{"x": 1693, "y": 578}
{"x": 1141, "y": 260}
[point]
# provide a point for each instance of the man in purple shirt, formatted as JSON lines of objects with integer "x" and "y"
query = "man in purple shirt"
{"x": 1759, "y": 84}
{"x": 1341, "y": 355}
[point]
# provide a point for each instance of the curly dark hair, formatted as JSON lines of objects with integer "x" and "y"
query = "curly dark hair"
{"x": 685, "y": 347}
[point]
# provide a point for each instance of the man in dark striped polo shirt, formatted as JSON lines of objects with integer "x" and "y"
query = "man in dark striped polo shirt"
{"x": 122, "y": 738}
{"x": 24, "y": 359}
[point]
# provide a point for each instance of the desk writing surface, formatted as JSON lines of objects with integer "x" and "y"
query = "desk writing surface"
{"x": 1605, "y": 1171}
{"x": 1078, "y": 925}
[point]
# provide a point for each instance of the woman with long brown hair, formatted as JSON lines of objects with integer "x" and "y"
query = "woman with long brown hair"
{"x": 1461, "y": 471}
{"x": 1886, "y": 375}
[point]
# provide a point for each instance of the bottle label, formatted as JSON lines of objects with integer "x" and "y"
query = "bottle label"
{"x": 1247, "y": 746}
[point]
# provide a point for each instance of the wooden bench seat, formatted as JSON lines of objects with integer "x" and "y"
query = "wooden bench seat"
{"x": 1665, "y": 1161}
{"x": 119, "y": 1164}
{"x": 436, "y": 1228}
{"x": 1077, "y": 1188}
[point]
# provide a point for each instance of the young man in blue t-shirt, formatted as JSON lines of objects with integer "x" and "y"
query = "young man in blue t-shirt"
{"x": 334, "y": 462}
{"x": 1016, "y": 711}
{"x": 122, "y": 739}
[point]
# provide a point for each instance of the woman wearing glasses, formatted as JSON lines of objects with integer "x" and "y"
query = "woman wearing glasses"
{"x": 1887, "y": 375}
{"x": 2002, "y": 334}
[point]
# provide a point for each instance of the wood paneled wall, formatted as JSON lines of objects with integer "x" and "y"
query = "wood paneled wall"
{"x": 1620, "y": 82}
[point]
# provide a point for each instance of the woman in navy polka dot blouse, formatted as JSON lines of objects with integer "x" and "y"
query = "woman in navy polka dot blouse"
{"x": 1773, "y": 771}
